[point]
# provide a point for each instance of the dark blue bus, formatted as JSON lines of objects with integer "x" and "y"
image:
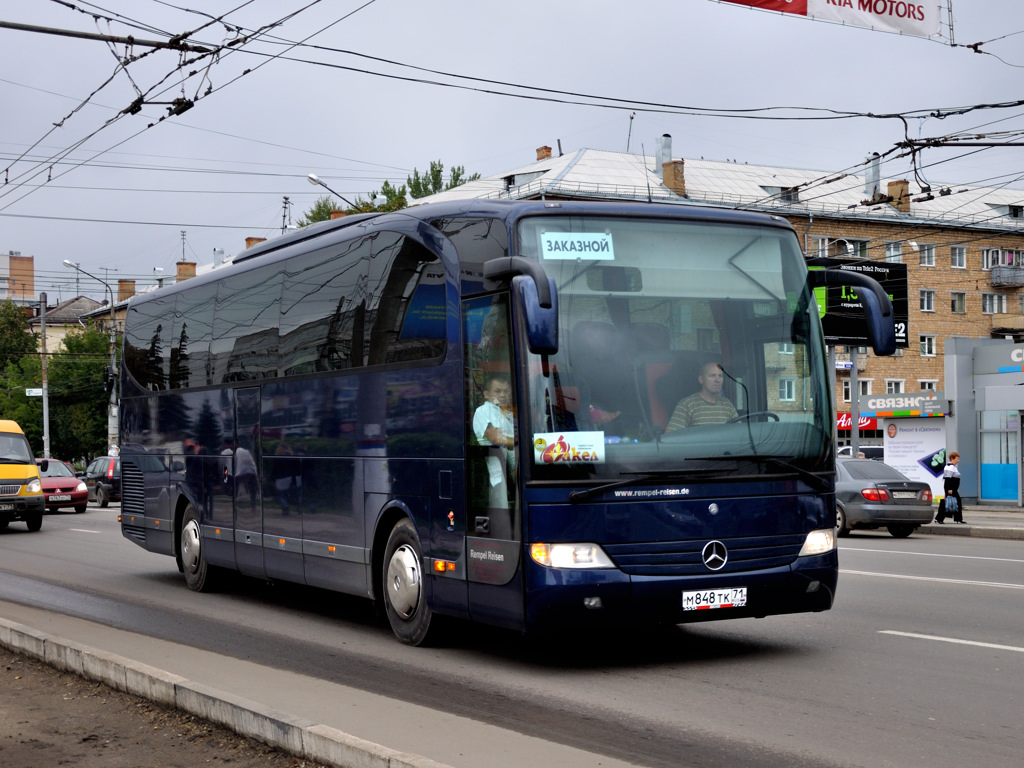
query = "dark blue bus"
{"x": 536, "y": 415}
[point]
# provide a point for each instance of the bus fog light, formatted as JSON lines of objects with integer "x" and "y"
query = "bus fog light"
{"x": 582, "y": 555}
{"x": 819, "y": 542}
{"x": 592, "y": 603}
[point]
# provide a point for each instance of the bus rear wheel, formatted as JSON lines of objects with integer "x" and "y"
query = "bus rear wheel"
{"x": 405, "y": 599}
{"x": 199, "y": 574}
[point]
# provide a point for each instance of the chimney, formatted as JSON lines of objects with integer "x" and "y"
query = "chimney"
{"x": 899, "y": 191}
{"x": 664, "y": 151}
{"x": 672, "y": 173}
{"x": 125, "y": 289}
{"x": 186, "y": 269}
{"x": 251, "y": 241}
{"x": 872, "y": 178}
{"x": 337, "y": 215}
{"x": 543, "y": 153}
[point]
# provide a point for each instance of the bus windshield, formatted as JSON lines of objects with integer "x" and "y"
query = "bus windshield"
{"x": 679, "y": 342}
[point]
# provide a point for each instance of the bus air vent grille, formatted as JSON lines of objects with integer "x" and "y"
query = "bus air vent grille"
{"x": 683, "y": 558}
{"x": 133, "y": 490}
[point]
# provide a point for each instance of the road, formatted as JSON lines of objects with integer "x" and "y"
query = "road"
{"x": 921, "y": 662}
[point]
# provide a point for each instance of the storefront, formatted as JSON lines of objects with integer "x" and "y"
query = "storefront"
{"x": 985, "y": 385}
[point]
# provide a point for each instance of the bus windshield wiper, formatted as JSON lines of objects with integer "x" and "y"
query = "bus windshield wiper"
{"x": 783, "y": 462}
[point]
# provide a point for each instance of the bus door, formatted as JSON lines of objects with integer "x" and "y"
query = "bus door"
{"x": 245, "y": 483}
{"x": 493, "y": 518}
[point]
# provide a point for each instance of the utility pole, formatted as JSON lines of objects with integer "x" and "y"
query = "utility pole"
{"x": 46, "y": 394}
{"x": 286, "y": 218}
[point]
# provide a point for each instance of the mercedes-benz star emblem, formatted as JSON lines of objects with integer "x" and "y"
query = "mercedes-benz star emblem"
{"x": 714, "y": 555}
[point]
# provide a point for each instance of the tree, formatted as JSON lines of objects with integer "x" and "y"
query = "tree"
{"x": 395, "y": 198}
{"x": 321, "y": 211}
{"x": 432, "y": 181}
{"x": 15, "y": 339}
{"x": 79, "y": 401}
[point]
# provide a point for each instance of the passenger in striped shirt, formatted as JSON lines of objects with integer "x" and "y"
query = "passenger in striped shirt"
{"x": 708, "y": 406}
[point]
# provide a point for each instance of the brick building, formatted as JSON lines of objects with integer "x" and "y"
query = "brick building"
{"x": 963, "y": 245}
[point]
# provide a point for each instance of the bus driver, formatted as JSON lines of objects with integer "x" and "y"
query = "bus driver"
{"x": 708, "y": 406}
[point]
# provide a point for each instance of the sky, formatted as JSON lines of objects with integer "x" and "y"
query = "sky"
{"x": 380, "y": 88}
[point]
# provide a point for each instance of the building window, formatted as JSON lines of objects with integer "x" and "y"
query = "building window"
{"x": 927, "y": 255}
{"x": 928, "y": 385}
{"x": 786, "y": 348}
{"x": 958, "y": 302}
{"x": 1016, "y": 211}
{"x": 894, "y": 253}
{"x": 927, "y": 300}
{"x": 958, "y": 257}
{"x": 894, "y": 386}
{"x": 990, "y": 257}
{"x": 863, "y": 387}
{"x": 927, "y": 346}
{"x": 787, "y": 390}
{"x": 993, "y": 303}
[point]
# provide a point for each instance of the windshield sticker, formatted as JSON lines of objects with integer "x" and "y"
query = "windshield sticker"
{"x": 586, "y": 245}
{"x": 568, "y": 448}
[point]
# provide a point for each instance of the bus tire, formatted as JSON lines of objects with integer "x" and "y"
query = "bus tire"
{"x": 199, "y": 575}
{"x": 405, "y": 599}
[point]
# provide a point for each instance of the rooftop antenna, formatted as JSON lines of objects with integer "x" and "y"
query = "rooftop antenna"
{"x": 183, "y": 245}
{"x": 646, "y": 174}
{"x": 629, "y": 133}
{"x": 286, "y": 218}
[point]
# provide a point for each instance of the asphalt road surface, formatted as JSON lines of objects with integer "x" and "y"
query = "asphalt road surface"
{"x": 921, "y": 662}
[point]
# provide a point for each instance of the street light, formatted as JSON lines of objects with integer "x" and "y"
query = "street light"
{"x": 314, "y": 179}
{"x": 112, "y": 426}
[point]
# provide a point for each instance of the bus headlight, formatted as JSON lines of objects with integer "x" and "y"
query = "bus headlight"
{"x": 582, "y": 555}
{"x": 818, "y": 542}
{"x": 34, "y": 486}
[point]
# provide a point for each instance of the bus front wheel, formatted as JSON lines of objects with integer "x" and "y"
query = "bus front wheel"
{"x": 199, "y": 575}
{"x": 405, "y": 599}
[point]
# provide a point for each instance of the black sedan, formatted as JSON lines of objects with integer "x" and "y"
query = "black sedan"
{"x": 870, "y": 494}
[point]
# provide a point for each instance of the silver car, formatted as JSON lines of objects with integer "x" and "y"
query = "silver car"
{"x": 870, "y": 494}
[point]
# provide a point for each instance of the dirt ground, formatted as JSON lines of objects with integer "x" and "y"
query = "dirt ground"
{"x": 50, "y": 718}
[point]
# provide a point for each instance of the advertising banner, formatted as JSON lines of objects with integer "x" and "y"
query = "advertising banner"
{"x": 920, "y": 19}
{"x": 841, "y": 309}
{"x": 917, "y": 448}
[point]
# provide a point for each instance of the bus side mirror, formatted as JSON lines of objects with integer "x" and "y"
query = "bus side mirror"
{"x": 881, "y": 326}
{"x": 541, "y": 322}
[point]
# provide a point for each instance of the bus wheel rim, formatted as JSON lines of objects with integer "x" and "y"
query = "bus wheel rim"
{"x": 404, "y": 582}
{"x": 190, "y": 546}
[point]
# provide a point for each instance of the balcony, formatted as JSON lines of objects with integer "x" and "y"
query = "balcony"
{"x": 1003, "y": 323}
{"x": 1007, "y": 277}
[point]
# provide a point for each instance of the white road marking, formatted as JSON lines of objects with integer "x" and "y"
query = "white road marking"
{"x": 82, "y": 530}
{"x": 932, "y": 578}
{"x": 934, "y": 554}
{"x": 951, "y": 640}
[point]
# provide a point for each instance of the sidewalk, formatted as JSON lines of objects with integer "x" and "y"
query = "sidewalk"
{"x": 984, "y": 521}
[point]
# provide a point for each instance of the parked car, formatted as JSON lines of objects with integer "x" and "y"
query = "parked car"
{"x": 103, "y": 478}
{"x": 875, "y": 452}
{"x": 61, "y": 486}
{"x": 871, "y": 494}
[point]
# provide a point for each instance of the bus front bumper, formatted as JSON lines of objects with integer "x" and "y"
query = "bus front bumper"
{"x": 568, "y": 598}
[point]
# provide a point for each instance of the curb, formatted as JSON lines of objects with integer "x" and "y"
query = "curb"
{"x": 298, "y": 736}
{"x": 979, "y": 532}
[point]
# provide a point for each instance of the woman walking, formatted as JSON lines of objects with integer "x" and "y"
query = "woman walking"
{"x": 951, "y": 504}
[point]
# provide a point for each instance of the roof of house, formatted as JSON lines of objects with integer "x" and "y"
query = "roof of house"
{"x": 596, "y": 174}
{"x": 68, "y": 312}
